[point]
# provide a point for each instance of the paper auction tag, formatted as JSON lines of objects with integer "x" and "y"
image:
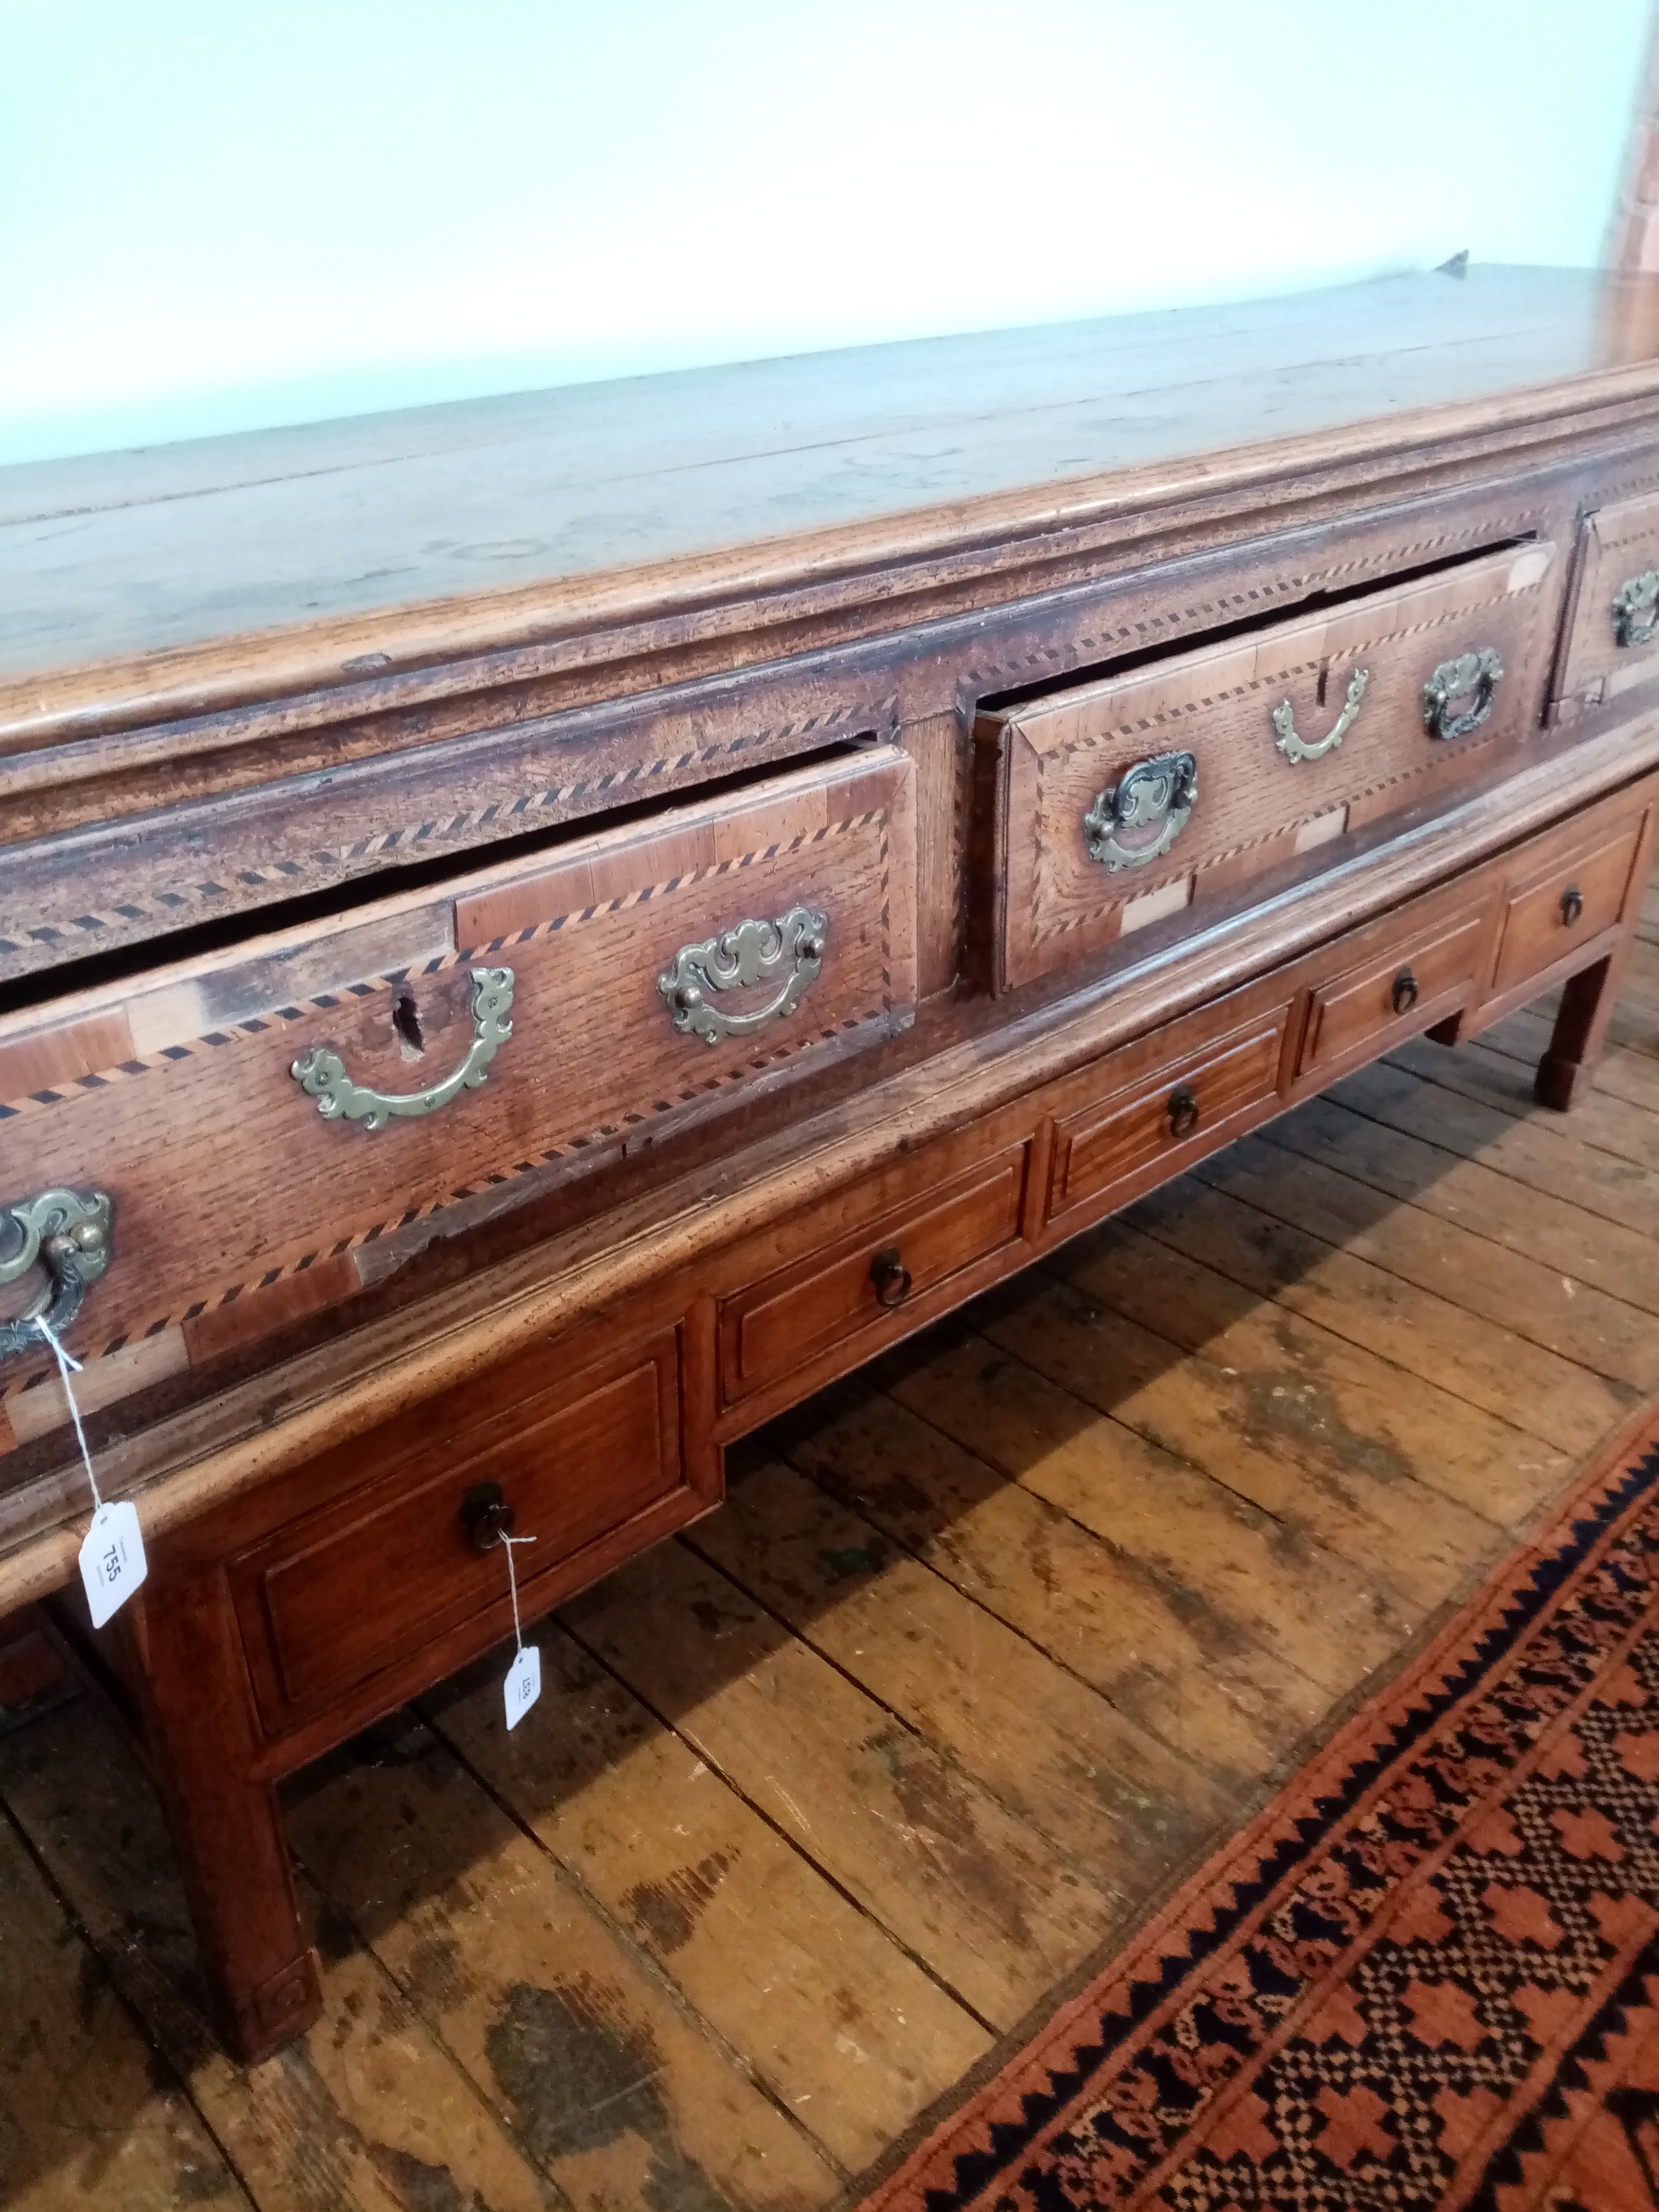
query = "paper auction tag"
{"x": 112, "y": 1559}
{"x": 523, "y": 1685}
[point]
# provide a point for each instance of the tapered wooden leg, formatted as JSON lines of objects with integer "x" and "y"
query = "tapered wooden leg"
{"x": 1580, "y": 1028}
{"x": 200, "y": 1724}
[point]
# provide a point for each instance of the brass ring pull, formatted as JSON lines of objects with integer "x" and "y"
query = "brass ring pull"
{"x": 891, "y": 1277}
{"x": 485, "y": 1516}
{"x": 1572, "y": 904}
{"x": 1183, "y": 1111}
{"x": 1405, "y": 993}
{"x": 1472, "y": 675}
{"x": 1154, "y": 798}
{"x": 1296, "y": 749}
{"x": 1636, "y": 609}
{"x": 320, "y": 1072}
{"x": 749, "y": 953}
{"x": 66, "y": 1233}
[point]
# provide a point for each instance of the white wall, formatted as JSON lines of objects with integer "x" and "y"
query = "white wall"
{"x": 215, "y": 214}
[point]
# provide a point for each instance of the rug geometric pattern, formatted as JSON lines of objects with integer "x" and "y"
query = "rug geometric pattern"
{"x": 1426, "y": 1976}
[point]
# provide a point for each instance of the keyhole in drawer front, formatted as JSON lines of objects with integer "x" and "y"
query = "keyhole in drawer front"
{"x": 1324, "y": 679}
{"x": 406, "y": 1021}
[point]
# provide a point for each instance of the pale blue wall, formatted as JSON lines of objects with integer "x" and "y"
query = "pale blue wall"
{"x": 215, "y": 214}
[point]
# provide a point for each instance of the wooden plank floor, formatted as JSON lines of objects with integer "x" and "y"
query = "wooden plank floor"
{"x": 824, "y": 1801}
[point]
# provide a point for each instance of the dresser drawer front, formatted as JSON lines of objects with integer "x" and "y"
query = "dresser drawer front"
{"x": 1548, "y": 917}
{"x": 1612, "y": 642}
{"x": 855, "y": 1286}
{"x": 228, "y": 1177}
{"x": 1122, "y": 801}
{"x": 1402, "y": 990}
{"x": 343, "y": 1592}
{"x": 1166, "y": 1116}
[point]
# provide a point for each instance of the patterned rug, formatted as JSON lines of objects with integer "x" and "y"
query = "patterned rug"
{"x": 1427, "y": 1976}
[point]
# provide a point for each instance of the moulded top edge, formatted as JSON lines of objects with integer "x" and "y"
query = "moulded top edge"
{"x": 169, "y": 581}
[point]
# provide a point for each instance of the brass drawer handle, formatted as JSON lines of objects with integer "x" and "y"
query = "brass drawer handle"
{"x": 749, "y": 953}
{"x": 891, "y": 1277}
{"x": 1156, "y": 795}
{"x": 1572, "y": 904}
{"x": 320, "y": 1072}
{"x": 485, "y": 1516}
{"x": 1472, "y": 674}
{"x": 1636, "y": 609}
{"x": 1296, "y": 749}
{"x": 67, "y": 1233}
{"x": 1405, "y": 993}
{"x": 1183, "y": 1111}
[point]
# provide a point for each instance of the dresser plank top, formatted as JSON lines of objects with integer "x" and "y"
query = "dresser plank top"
{"x": 530, "y": 513}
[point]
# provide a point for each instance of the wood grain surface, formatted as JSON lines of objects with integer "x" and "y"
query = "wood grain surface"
{"x": 315, "y": 527}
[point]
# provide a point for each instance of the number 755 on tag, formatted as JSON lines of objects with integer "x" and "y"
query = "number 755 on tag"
{"x": 112, "y": 1559}
{"x": 523, "y": 1685}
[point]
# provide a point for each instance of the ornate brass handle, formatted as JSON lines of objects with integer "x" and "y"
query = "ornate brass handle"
{"x": 1479, "y": 673}
{"x": 1636, "y": 609}
{"x": 891, "y": 1277}
{"x": 67, "y": 1233}
{"x": 1296, "y": 749}
{"x": 1155, "y": 795}
{"x": 749, "y": 953}
{"x": 1404, "y": 993}
{"x": 1572, "y": 905}
{"x": 320, "y": 1073}
{"x": 1182, "y": 1110}
{"x": 485, "y": 1516}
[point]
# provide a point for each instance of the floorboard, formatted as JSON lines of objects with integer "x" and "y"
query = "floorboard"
{"x": 989, "y": 1644}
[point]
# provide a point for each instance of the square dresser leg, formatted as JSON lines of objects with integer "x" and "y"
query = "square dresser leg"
{"x": 260, "y": 1965}
{"x": 1580, "y": 1028}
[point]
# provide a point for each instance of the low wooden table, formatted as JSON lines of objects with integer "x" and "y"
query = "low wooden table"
{"x": 535, "y": 934}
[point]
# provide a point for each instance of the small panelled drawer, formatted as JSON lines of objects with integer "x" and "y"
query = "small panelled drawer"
{"x": 1547, "y": 916}
{"x": 259, "y": 1118}
{"x": 1405, "y": 987}
{"x": 1119, "y": 802}
{"x": 1612, "y": 641}
{"x": 852, "y": 1293}
{"x": 591, "y": 1464}
{"x": 1140, "y": 1131}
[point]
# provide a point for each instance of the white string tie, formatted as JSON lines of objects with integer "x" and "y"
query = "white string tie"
{"x": 512, "y": 1583}
{"x": 66, "y": 1362}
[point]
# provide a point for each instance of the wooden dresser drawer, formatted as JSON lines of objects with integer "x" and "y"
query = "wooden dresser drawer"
{"x": 852, "y": 1289}
{"x": 1406, "y": 986}
{"x": 1612, "y": 640}
{"x": 1549, "y": 914}
{"x": 1119, "y": 802}
{"x": 591, "y": 1464}
{"x": 1197, "y": 1096}
{"x": 603, "y": 991}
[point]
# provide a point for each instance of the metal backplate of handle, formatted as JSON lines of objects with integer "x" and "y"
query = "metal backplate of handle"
{"x": 66, "y": 1234}
{"x": 320, "y": 1073}
{"x": 747, "y": 955}
{"x": 1136, "y": 820}
{"x": 1636, "y": 609}
{"x": 1474, "y": 676}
